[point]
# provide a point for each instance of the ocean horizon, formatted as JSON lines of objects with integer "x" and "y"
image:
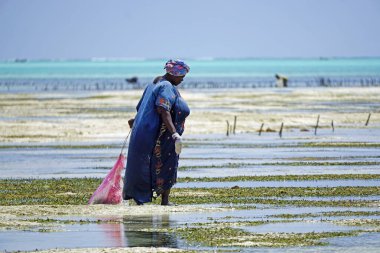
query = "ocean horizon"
{"x": 114, "y": 73}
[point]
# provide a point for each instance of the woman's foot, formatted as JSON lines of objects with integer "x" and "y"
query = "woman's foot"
{"x": 168, "y": 204}
{"x": 138, "y": 203}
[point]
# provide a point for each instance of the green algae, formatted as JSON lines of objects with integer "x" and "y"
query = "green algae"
{"x": 227, "y": 237}
{"x": 223, "y": 223}
{"x": 77, "y": 191}
{"x": 246, "y": 192}
{"x": 282, "y": 178}
{"x": 264, "y": 195}
{"x": 359, "y": 222}
{"x": 64, "y": 191}
{"x": 68, "y": 221}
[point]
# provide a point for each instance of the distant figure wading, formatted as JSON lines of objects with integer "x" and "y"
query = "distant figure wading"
{"x": 282, "y": 81}
{"x": 156, "y": 141}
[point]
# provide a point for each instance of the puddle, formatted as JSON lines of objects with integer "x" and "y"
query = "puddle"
{"x": 298, "y": 227}
{"x": 306, "y": 183}
{"x": 363, "y": 241}
{"x": 126, "y": 234}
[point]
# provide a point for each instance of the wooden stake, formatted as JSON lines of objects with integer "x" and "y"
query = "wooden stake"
{"x": 261, "y": 128}
{"x": 282, "y": 126}
{"x": 316, "y": 126}
{"x": 369, "y": 116}
{"x": 228, "y": 128}
{"x": 234, "y": 124}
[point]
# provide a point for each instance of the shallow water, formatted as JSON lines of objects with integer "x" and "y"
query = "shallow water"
{"x": 129, "y": 233}
{"x": 87, "y": 236}
{"x": 238, "y": 155}
{"x": 135, "y": 231}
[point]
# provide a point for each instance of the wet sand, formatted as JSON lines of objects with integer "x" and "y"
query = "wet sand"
{"x": 102, "y": 116}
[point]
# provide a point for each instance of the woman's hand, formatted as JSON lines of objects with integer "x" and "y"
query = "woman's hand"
{"x": 130, "y": 122}
{"x": 178, "y": 143}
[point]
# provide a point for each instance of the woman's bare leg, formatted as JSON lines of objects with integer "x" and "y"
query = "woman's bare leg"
{"x": 165, "y": 198}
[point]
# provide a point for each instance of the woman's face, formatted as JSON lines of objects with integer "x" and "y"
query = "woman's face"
{"x": 177, "y": 79}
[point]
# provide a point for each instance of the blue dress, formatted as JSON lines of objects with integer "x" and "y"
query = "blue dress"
{"x": 152, "y": 162}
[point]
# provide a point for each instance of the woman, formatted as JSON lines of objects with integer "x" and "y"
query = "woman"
{"x": 156, "y": 142}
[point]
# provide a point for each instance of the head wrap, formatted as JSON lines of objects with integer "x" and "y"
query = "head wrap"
{"x": 176, "y": 68}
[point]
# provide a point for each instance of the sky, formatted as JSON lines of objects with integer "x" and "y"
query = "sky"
{"x": 79, "y": 29}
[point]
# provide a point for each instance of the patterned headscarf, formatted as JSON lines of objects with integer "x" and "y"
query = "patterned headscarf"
{"x": 176, "y": 68}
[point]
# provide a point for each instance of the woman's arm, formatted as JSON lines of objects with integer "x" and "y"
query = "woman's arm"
{"x": 167, "y": 119}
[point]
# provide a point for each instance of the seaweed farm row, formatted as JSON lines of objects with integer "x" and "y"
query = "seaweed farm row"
{"x": 59, "y": 84}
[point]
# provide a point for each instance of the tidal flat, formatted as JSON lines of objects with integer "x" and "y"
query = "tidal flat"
{"x": 304, "y": 191}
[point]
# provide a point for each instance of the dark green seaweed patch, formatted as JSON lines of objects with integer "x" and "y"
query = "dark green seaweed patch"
{"x": 76, "y": 191}
{"x": 282, "y": 178}
{"x": 238, "y": 237}
{"x": 64, "y": 191}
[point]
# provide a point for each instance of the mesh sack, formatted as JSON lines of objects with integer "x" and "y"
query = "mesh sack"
{"x": 110, "y": 190}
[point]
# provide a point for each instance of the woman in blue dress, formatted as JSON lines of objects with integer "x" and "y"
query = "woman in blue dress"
{"x": 156, "y": 141}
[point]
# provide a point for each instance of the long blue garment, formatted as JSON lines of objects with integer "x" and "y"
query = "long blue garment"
{"x": 152, "y": 162}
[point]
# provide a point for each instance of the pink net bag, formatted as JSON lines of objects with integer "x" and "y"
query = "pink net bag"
{"x": 110, "y": 190}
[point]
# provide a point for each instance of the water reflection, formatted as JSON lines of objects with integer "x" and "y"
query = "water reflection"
{"x": 138, "y": 231}
{"x": 114, "y": 234}
{"x": 133, "y": 231}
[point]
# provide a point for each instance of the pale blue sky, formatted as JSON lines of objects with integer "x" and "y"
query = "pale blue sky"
{"x": 70, "y": 29}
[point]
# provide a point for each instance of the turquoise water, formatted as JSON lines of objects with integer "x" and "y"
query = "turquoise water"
{"x": 101, "y": 74}
{"x": 233, "y": 68}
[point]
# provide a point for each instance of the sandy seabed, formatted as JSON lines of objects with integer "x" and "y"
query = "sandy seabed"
{"x": 100, "y": 116}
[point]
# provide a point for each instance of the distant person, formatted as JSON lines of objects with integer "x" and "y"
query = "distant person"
{"x": 282, "y": 81}
{"x": 156, "y": 141}
{"x": 132, "y": 80}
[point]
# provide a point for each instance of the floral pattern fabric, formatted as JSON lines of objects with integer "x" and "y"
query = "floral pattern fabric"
{"x": 177, "y": 68}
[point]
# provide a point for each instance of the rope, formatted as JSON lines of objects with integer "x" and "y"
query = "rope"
{"x": 125, "y": 142}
